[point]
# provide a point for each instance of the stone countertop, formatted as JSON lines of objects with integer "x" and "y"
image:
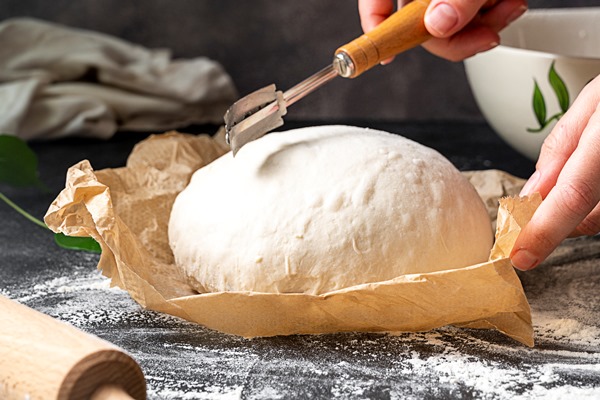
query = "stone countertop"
{"x": 182, "y": 360}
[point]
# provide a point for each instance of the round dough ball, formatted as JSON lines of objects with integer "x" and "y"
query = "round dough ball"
{"x": 323, "y": 208}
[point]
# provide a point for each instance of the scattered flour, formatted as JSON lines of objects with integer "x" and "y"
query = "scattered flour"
{"x": 213, "y": 393}
{"x": 182, "y": 360}
{"x": 561, "y": 393}
{"x": 567, "y": 330}
{"x": 76, "y": 283}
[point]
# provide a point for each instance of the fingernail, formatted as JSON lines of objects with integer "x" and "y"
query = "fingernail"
{"x": 487, "y": 47}
{"x": 524, "y": 260}
{"x": 530, "y": 185}
{"x": 516, "y": 14}
{"x": 441, "y": 19}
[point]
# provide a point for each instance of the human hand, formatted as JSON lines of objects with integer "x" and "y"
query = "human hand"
{"x": 568, "y": 178}
{"x": 458, "y": 27}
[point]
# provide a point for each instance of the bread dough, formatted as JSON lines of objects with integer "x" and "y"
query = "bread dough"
{"x": 317, "y": 209}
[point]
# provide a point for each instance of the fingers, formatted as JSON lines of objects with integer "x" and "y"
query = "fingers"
{"x": 373, "y": 12}
{"x": 590, "y": 225}
{"x": 464, "y": 44}
{"x": 567, "y": 204}
{"x": 556, "y": 150}
{"x": 461, "y": 29}
{"x": 563, "y": 141}
{"x": 502, "y": 14}
{"x": 571, "y": 204}
{"x": 445, "y": 18}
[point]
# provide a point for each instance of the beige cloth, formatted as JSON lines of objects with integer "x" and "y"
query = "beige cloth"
{"x": 57, "y": 81}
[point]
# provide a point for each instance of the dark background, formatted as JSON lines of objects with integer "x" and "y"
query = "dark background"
{"x": 261, "y": 42}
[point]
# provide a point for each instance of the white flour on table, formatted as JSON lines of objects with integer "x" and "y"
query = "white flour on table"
{"x": 182, "y": 360}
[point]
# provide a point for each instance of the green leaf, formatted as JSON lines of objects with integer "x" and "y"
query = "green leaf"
{"x": 539, "y": 104}
{"x": 559, "y": 87}
{"x": 77, "y": 243}
{"x": 19, "y": 167}
{"x": 18, "y": 163}
{"x": 67, "y": 242}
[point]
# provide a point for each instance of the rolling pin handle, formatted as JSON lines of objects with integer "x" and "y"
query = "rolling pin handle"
{"x": 111, "y": 392}
{"x": 43, "y": 358}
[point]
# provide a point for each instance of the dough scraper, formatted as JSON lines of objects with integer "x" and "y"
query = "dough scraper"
{"x": 258, "y": 113}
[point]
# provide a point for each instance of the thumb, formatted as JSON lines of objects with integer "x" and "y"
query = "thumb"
{"x": 446, "y": 17}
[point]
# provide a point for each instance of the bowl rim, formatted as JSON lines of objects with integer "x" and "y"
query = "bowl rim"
{"x": 535, "y": 13}
{"x": 541, "y": 54}
{"x": 562, "y": 10}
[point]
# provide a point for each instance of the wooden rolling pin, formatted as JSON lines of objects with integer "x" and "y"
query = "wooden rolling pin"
{"x": 43, "y": 358}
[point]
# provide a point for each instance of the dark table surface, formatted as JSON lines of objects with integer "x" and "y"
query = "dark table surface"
{"x": 182, "y": 360}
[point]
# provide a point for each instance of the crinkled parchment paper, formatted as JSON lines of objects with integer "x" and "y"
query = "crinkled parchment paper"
{"x": 127, "y": 211}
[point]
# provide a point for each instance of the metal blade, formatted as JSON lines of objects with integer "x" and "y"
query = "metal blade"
{"x": 257, "y": 124}
{"x": 261, "y": 111}
{"x": 248, "y": 105}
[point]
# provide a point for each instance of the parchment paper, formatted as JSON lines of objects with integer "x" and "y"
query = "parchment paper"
{"x": 127, "y": 211}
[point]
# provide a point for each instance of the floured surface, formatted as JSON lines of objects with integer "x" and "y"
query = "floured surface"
{"x": 182, "y": 360}
{"x": 185, "y": 361}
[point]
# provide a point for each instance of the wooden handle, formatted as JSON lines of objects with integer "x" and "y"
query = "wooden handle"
{"x": 43, "y": 358}
{"x": 403, "y": 30}
{"x": 111, "y": 392}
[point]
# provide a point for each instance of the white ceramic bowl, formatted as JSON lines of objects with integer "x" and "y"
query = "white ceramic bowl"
{"x": 545, "y": 58}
